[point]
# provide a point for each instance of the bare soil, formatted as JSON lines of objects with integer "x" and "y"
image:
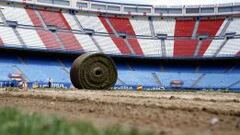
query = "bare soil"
{"x": 181, "y": 113}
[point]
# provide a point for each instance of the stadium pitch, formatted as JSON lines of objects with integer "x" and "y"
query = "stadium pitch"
{"x": 158, "y": 112}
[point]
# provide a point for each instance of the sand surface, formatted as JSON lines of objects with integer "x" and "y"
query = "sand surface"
{"x": 193, "y": 113}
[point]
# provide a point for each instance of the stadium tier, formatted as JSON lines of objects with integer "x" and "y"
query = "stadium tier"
{"x": 38, "y": 70}
{"x": 33, "y": 27}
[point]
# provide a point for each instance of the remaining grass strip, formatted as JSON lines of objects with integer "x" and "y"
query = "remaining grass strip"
{"x": 14, "y": 122}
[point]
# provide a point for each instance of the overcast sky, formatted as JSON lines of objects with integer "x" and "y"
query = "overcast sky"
{"x": 173, "y": 2}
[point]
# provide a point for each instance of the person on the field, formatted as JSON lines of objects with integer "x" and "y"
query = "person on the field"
{"x": 49, "y": 83}
{"x": 23, "y": 85}
{"x": 139, "y": 87}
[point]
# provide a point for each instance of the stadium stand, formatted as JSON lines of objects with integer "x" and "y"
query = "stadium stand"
{"x": 221, "y": 80}
{"x": 152, "y": 76}
{"x": 187, "y": 78}
{"x": 70, "y": 31}
{"x": 135, "y": 78}
{"x": 34, "y": 69}
{"x": 60, "y": 27}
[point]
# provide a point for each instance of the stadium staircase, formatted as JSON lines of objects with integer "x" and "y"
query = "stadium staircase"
{"x": 157, "y": 80}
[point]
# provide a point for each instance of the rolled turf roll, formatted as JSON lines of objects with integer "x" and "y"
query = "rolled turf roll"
{"x": 93, "y": 71}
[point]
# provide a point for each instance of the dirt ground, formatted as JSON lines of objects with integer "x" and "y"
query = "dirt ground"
{"x": 181, "y": 113}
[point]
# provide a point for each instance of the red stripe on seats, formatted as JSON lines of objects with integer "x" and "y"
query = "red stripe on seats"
{"x": 184, "y": 47}
{"x": 124, "y": 25}
{"x": 135, "y": 45}
{"x": 49, "y": 39}
{"x": 35, "y": 20}
{"x": 184, "y": 27}
{"x": 121, "y": 45}
{"x": 238, "y": 54}
{"x": 1, "y": 42}
{"x": 119, "y": 42}
{"x": 69, "y": 41}
{"x": 209, "y": 27}
{"x": 54, "y": 18}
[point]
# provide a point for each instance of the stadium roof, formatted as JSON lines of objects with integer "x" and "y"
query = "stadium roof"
{"x": 172, "y": 2}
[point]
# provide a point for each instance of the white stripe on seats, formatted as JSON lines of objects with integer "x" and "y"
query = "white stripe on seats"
{"x": 164, "y": 26}
{"x": 231, "y": 48}
{"x": 140, "y": 25}
{"x": 86, "y": 42}
{"x": 214, "y": 46}
{"x": 8, "y": 37}
{"x": 150, "y": 47}
{"x": 107, "y": 45}
{"x": 18, "y": 14}
{"x": 234, "y": 26}
{"x": 71, "y": 21}
{"x": 31, "y": 38}
{"x": 169, "y": 45}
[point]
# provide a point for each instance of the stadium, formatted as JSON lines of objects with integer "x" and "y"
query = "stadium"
{"x": 160, "y": 50}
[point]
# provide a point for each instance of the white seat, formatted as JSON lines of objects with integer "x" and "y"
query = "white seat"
{"x": 18, "y": 14}
{"x": 86, "y": 42}
{"x": 140, "y": 25}
{"x": 8, "y": 37}
{"x": 107, "y": 45}
{"x": 151, "y": 47}
{"x": 31, "y": 38}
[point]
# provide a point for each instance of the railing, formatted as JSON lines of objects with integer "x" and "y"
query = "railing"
{"x": 138, "y": 9}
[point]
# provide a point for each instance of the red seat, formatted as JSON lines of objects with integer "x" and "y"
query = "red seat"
{"x": 54, "y": 18}
{"x": 121, "y": 45}
{"x": 122, "y": 25}
{"x": 1, "y": 42}
{"x": 184, "y": 47}
{"x": 238, "y": 54}
{"x": 69, "y": 41}
{"x": 49, "y": 39}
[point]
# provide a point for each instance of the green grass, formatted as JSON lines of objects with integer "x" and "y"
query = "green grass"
{"x": 14, "y": 122}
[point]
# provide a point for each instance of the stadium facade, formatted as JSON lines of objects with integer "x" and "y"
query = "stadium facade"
{"x": 159, "y": 47}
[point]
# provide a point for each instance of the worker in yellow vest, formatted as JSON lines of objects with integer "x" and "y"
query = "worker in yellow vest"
{"x": 139, "y": 87}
